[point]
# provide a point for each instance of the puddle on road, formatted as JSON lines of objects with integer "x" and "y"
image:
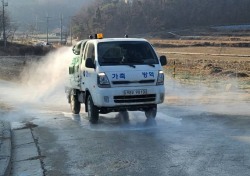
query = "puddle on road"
{"x": 137, "y": 122}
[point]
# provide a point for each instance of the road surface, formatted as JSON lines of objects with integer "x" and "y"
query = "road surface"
{"x": 185, "y": 139}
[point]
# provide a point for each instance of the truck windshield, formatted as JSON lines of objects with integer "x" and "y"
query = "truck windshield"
{"x": 126, "y": 53}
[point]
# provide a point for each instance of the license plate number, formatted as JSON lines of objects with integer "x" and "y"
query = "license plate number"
{"x": 135, "y": 92}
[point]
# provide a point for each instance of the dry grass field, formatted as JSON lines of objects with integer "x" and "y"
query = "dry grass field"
{"x": 209, "y": 60}
{"x": 204, "y": 41}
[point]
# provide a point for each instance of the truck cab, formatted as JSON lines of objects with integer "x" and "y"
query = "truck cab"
{"x": 115, "y": 75}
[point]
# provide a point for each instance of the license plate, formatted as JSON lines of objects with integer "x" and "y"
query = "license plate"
{"x": 135, "y": 92}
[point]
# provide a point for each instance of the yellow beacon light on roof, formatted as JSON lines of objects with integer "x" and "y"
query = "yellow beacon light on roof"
{"x": 99, "y": 36}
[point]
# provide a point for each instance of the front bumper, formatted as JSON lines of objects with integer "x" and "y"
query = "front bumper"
{"x": 114, "y": 97}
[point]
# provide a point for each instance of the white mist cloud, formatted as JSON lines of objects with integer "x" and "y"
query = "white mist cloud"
{"x": 214, "y": 98}
{"x": 43, "y": 84}
{"x": 44, "y": 81}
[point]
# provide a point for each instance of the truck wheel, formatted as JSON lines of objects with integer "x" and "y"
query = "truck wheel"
{"x": 74, "y": 104}
{"x": 151, "y": 112}
{"x": 124, "y": 117}
{"x": 93, "y": 111}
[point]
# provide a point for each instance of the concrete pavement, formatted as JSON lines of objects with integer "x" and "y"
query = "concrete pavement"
{"x": 5, "y": 148}
{"x": 26, "y": 160}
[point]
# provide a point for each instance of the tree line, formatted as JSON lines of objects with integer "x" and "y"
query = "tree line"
{"x": 118, "y": 17}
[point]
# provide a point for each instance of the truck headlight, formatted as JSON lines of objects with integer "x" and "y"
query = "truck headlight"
{"x": 160, "y": 79}
{"x": 103, "y": 81}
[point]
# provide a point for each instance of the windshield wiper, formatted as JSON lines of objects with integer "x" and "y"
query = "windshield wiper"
{"x": 142, "y": 62}
{"x": 131, "y": 65}
{"x": 152, "y": 65}
{"x": 124, "y": 62}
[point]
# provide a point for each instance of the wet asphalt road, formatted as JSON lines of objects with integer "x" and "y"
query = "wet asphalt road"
{"x": 181, "y": 141}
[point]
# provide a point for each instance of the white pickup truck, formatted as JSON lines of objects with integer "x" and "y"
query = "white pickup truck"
{"x": 115, "y": 75}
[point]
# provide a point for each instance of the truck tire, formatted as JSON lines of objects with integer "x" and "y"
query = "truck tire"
{"x": 93, "y": 111}
{"x": 74, "y": 104}
{"x": 151, "y": 112}
{"x": 124, "y": 117}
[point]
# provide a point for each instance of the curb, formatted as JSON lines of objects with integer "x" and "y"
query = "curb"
{"x": 5, "y": 148}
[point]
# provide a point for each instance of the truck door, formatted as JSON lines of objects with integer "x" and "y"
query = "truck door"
{"x": 74, "y": 67}
{"x": 89, "y": 52}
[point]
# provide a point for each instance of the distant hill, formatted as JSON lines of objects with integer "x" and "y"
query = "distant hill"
{"x": 33, "y": 12}
{"x": 138, "y": 17}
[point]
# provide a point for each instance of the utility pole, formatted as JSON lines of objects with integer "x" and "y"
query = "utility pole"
{"x": 71, "y": 31}
{"x": 36, "y": 24}
{"x": 4, "y": 32}
{"x": 47, "y": 30}
{"x": 61, "y": 26}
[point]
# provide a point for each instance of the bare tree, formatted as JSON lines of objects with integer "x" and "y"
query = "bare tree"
{"x": 11, "y": 30}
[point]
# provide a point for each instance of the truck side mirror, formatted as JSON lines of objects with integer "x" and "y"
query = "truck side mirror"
{"x": 163, "y": 60}
{"x": 75, "y": 50}
{"x": 89, "y": 63}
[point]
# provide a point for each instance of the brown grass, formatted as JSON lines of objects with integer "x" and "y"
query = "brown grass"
{"x": 211, "y": 50}
{"x": 207, "y": 64}
{"x": 203, "y": 41}
{"x": 199, "y": 57}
